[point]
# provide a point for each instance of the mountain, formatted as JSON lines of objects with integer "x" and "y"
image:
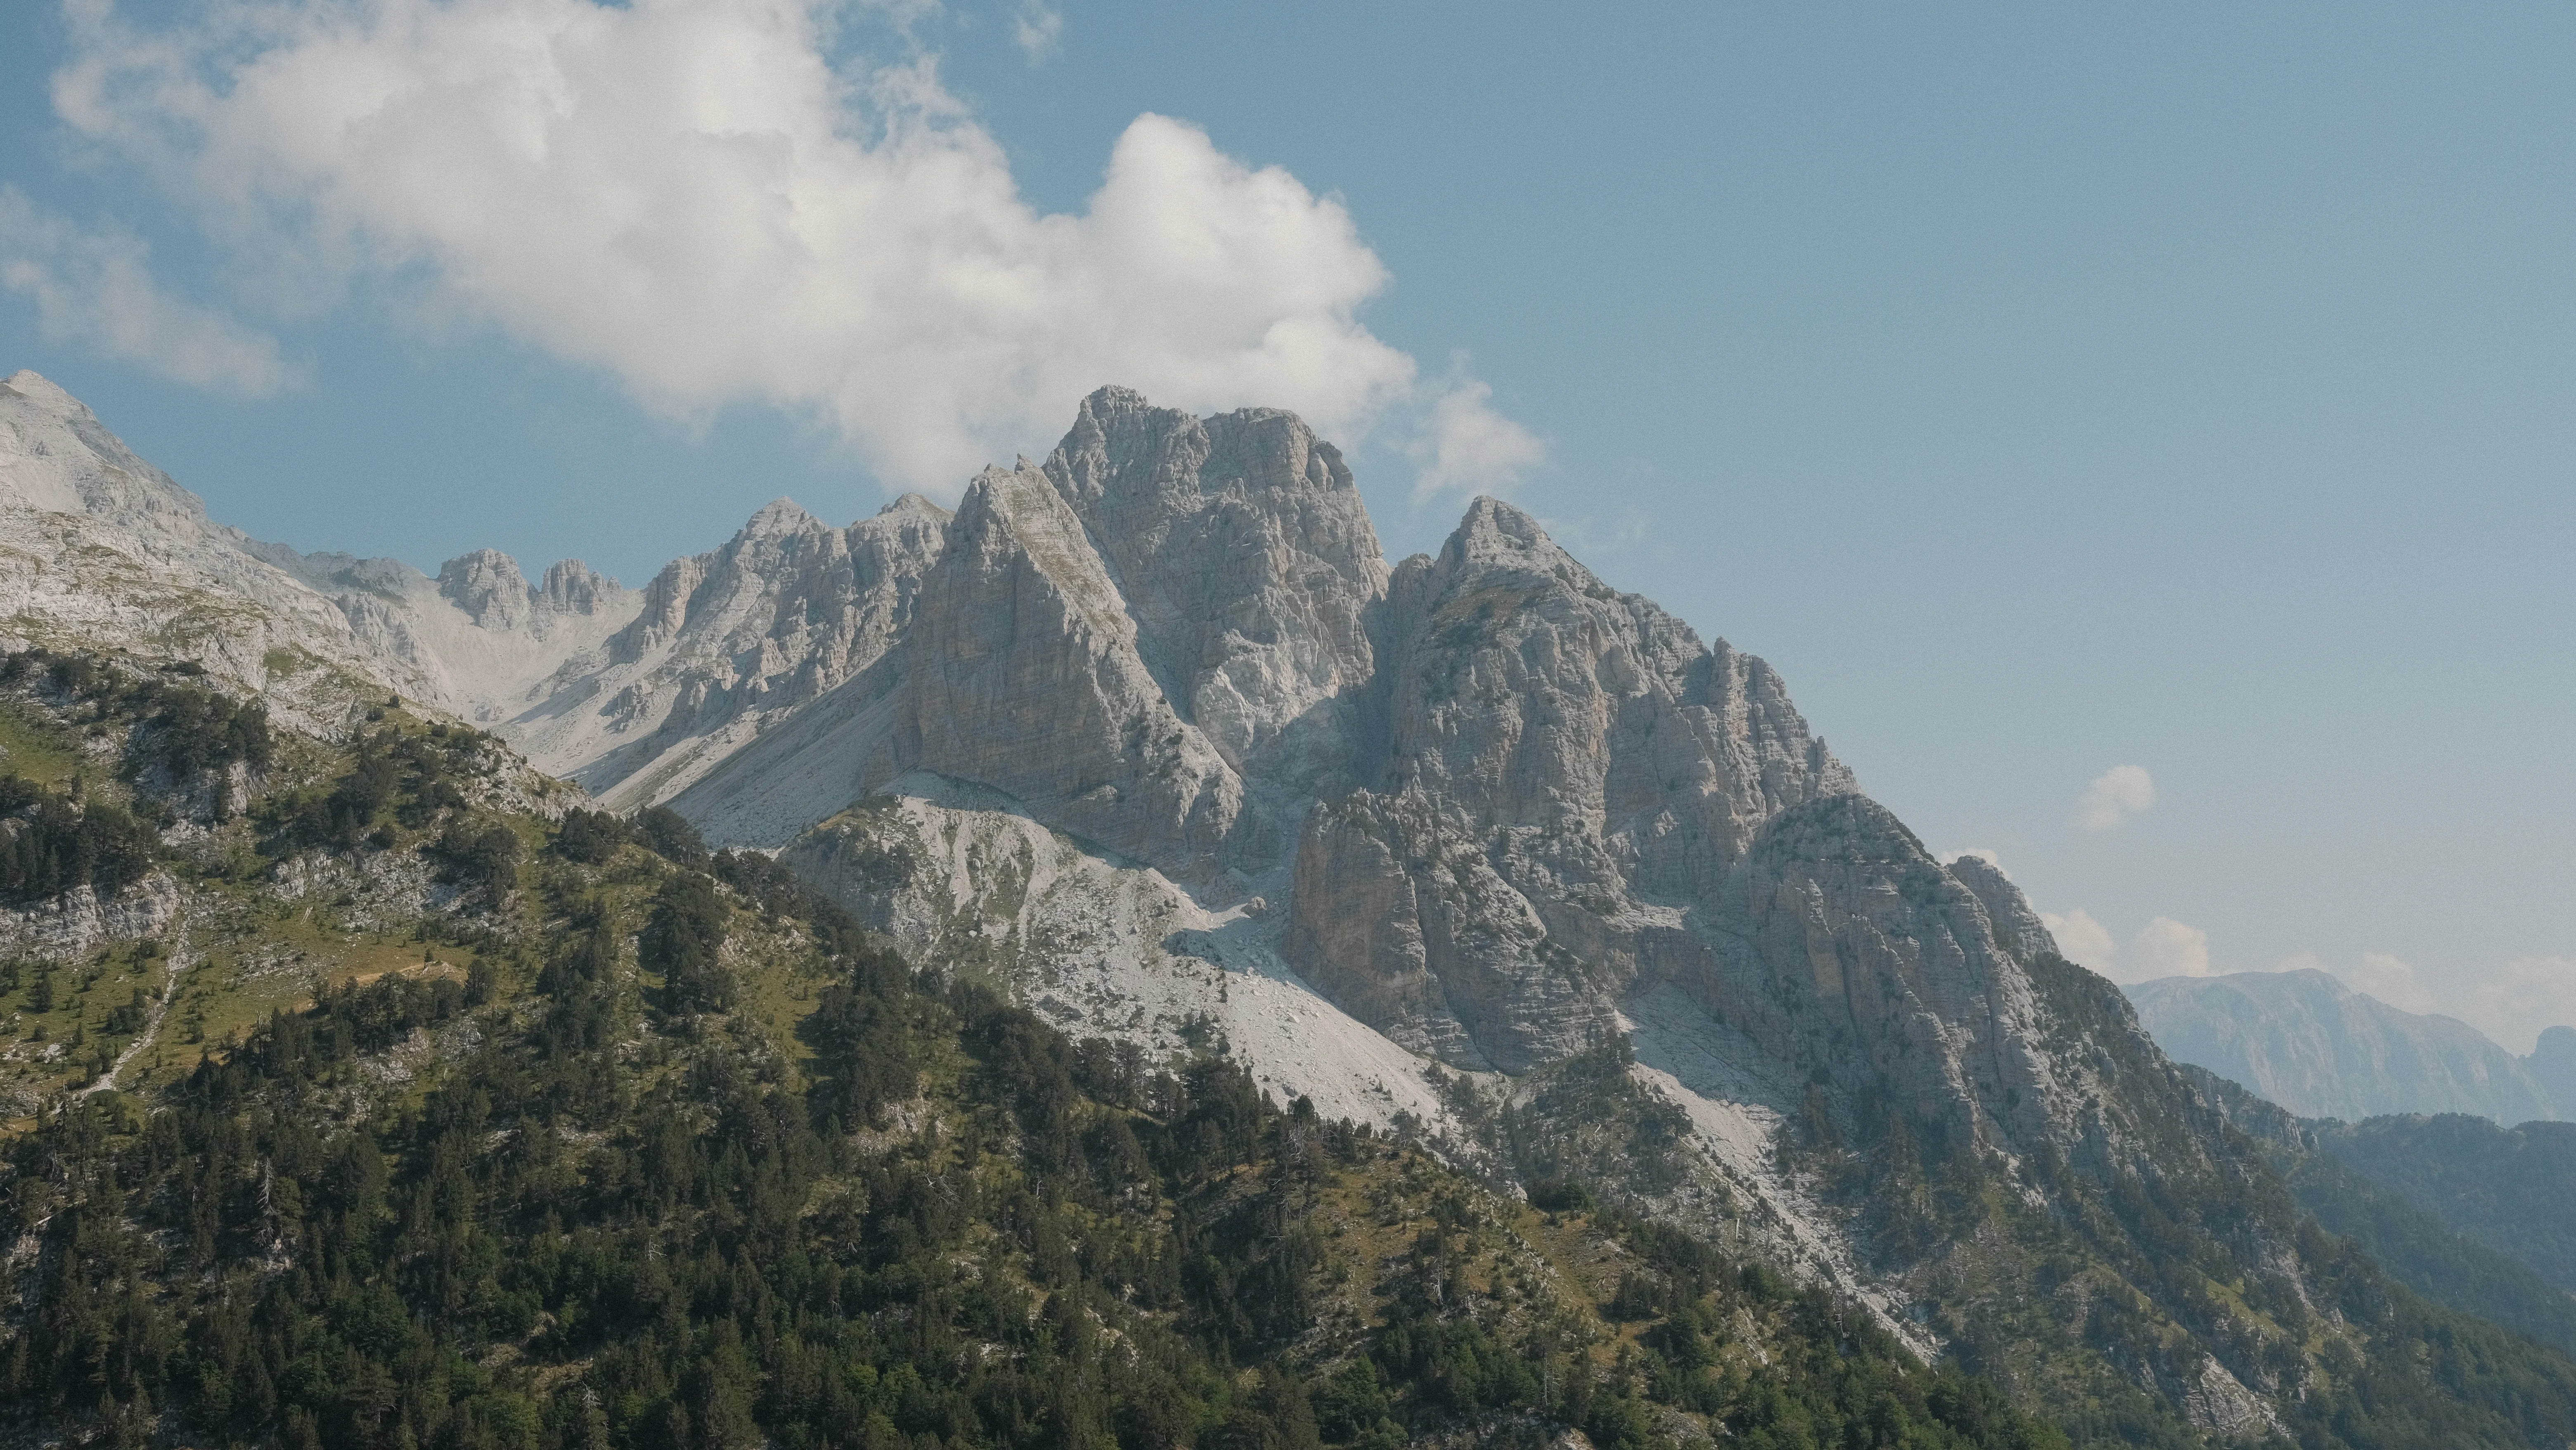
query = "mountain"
{"x": 1473, "y": 849}
{"x": 106, "y": 553}
{"x": 419, "y": 1117}
{"x": 2309, "y": 1043}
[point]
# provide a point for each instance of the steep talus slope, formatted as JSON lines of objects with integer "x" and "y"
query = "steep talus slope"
{"x": 2309, "y": 1043}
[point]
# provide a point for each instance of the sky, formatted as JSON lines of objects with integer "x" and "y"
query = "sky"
{"x": 2141, "y": 436}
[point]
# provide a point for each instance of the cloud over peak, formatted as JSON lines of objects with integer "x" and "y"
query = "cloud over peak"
{"x": 95, "y": 284}
{"x": 692, "y": 196}
{"x": 2164, "y": 947}
{"x": 2114, "y": 796}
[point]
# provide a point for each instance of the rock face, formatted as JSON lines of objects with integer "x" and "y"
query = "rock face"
{"x": 2315, "y": 1046}
{"x": 1152, "y": 730}
{"x": 725, "y": 642}
{"x": 1158, "y": 640}
{"x": 1486, "y": 804}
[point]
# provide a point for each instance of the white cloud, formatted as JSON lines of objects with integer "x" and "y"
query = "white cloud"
{"x": 2163, "y": 948}
{"x": 1038, "y": 29}
{"x": 2114, "y": 796}
{"x": 94, "y": 287}
{"x": 1991, "y": 859}
{"x": 2385, "y": 977}
{"x": 2082, "y": 940}
{"x": 690, "y": 195}
{"x": 2167, "y": 948}
{"x": 2522, "y": 997}
{"x": 1468, "y": 446}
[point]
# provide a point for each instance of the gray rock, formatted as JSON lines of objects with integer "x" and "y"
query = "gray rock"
{"x": 488, "y": 586}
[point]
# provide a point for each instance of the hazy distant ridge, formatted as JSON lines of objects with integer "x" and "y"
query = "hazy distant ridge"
{"x": 2322, "y": 1050}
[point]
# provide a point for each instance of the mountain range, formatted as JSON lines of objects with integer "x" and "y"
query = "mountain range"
{"x": 2315, "y": 1046}
{"x": 1470, "y": 848}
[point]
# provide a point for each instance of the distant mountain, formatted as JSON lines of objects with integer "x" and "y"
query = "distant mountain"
{"x": 2322, "y": 1050}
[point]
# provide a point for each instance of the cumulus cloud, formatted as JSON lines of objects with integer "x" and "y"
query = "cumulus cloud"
{"x": 94, "y": 286}
{"x": 2525, "y": 995}
{"x": 1469, "y": 447}
{"x": 2082, "y": 940}
{"x": 2163, "y": 948}
{"x": 1038, "y": 29}
{"x": 2167, "y": 948}
{"x": 693, "y": 196}
{"x": 2114, "y": 796}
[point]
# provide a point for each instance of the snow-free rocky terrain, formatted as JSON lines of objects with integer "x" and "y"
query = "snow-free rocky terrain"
{"x": 1153, "y": 730}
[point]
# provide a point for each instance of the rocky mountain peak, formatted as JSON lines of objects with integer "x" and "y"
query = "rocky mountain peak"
{"x": 913, "y": 506}
{"x": 488, "y": 586}
{"x": 776, "y": 519}
{"x": 56, "y": 456}
{"x": 1497, "y": 534}
{"x": 573, "y": 587}
{"x": 2306, "y": 1041}
{"x": 2018, "y": 929}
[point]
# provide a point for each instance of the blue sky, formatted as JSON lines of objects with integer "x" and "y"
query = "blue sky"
{"x": 2044, "y": 389}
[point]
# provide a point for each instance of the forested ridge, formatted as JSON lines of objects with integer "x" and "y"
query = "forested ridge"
{"x": 430, "y": 1113}
{"x": 655, "y": 1148}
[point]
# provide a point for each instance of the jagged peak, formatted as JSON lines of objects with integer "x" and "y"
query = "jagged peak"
{"x": 1497, "y": 533}
{"x": 487, "y": 585}
{"x": 122, "y": 487}
{"x": 1008, "y": 510}
{"x": 1841, "y": 827}
{"x": 1110, "y": 399}
{"x": 480, "y": 561}
{"x": 913, "y": 505}
{"x": 573, "y": 587}
{"x": 37, "y": 387}
{"x": 777, "y": 517}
